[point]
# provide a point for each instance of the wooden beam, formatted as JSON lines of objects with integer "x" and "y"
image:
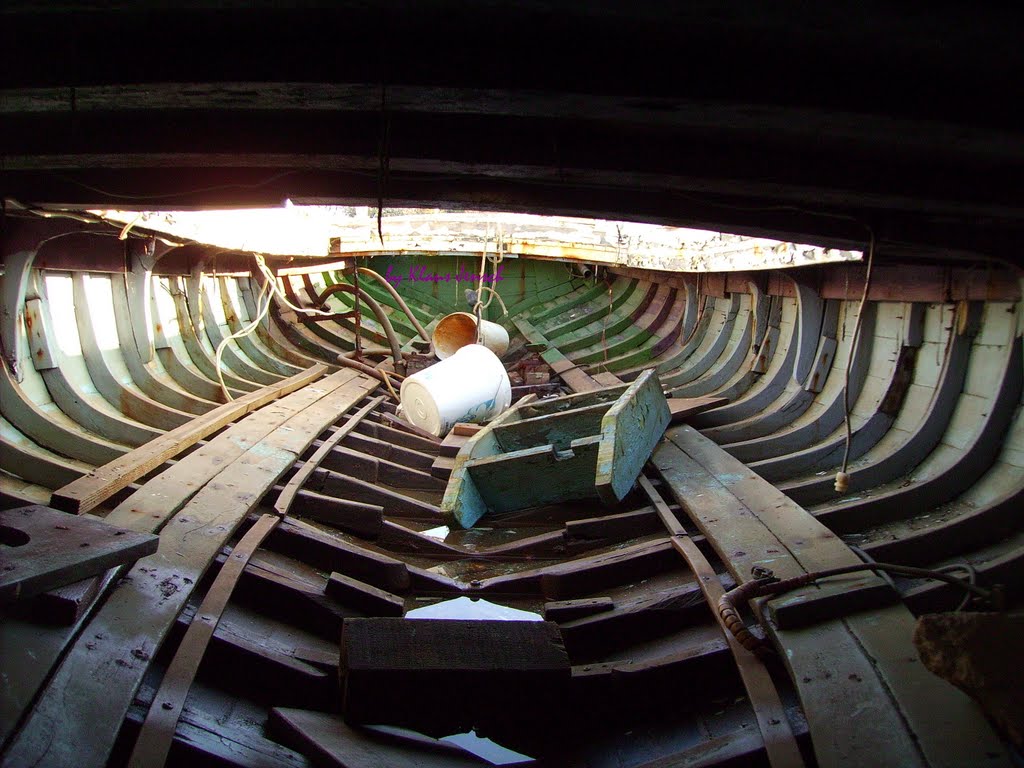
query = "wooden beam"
{"x": 92, "y": 490}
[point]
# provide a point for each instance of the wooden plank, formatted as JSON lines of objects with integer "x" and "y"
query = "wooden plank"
{"x": 288, "y": 494}
{"x": 629, "y": 432}
{"x": 779, "y": 740}
{"x": 533, "y": 477}
{"x": 857, "y": 677}
{"x": 331, "y": 742}
{"x": 92, "y": 490}
{"x": 364, "y": 597}
{"x": 557, "y": 429}
{"x": 158, "y": 729}
{"x": 54, "y": 548}
{"x": 571, "y": 374}
{"x": 79, "y": 713}
{"x": 438, "y": 676}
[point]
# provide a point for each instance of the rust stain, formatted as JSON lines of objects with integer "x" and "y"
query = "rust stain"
{"x": 454, "y": 332}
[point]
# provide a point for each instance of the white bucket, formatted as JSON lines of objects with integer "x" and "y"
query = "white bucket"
{"x": 455, "y": 331}
{"x": 471, "y": 385}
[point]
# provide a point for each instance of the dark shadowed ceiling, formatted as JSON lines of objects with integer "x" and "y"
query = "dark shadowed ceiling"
{"x": 790, "y": 119}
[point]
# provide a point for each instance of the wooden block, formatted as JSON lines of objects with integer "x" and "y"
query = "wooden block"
{"x": 368, "y": 599}
{"x": 607, "y": 379}
{"x": 442, "y": 467}
{"x": 65, "y": 605}
{"x": 567, "y": 610}
{"x": 463, "y": 429}
{"x": 452, "y": 443}
{"x": 47, "y": 549}
{"x": 443, "y": 676}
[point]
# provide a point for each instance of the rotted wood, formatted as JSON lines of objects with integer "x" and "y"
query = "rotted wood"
{"x": 364, "y": 597}
{"x": 54, "y": 549}
{"x": 567, "y": 610}
{"x": 92, "y": 490}
{"x": 779, "y": 740}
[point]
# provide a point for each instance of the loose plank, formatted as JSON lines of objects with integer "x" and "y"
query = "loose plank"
{"x": 90, "y": 491}
{"x": 52, "y": 549}
{"x": 779, "y": 740}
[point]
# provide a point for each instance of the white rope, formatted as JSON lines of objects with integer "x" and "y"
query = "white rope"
{"x": 270, "y": 290}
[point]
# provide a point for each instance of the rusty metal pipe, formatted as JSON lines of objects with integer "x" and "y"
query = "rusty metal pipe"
{"x": 389, "y": 331}
{"x": 401, "y": 302}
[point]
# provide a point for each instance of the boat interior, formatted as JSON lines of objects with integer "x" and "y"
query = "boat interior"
{"x": 242, "y": 549}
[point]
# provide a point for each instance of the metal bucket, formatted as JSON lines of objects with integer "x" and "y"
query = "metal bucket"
{"x": 455, "y": 331}
{"x": 471, "y": 385}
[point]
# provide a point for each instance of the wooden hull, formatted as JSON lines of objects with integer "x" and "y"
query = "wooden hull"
{"x": 100, "y": 363}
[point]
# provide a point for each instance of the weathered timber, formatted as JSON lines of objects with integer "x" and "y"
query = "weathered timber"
{"x": 779, "y": 740}
{"x": 43, "y": 549}
{"x": 439, "y": 676}
{"x": 574, "y": 447}
{"x": 866, "y": 683}
{"x": 93, "y": 489}
{"x": 364, "y": 597}
{"x": 287, "y": 496}
{"x": 158, "y": 729}
{"x": 567, "y": 610}
{"x": 104, "y": 667}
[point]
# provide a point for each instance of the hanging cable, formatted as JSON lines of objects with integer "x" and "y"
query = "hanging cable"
{"x": 843, "y": 477}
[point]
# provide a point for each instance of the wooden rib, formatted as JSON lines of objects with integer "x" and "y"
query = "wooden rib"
{"x": 780, "y": 348}
{"x": 131, "y": 403}
{"x": 92, "y": 490}
{"x": 299, "y": 479}
{"x": 191, "y": 333}
{"x": 204, "y": 321}
{"x": 49, "y": 432}
{"x": 148, "y": 375}
{"x": 779, "y": 741}
{"x": 268, "y": 332}
{"x": 251, "y": 342}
